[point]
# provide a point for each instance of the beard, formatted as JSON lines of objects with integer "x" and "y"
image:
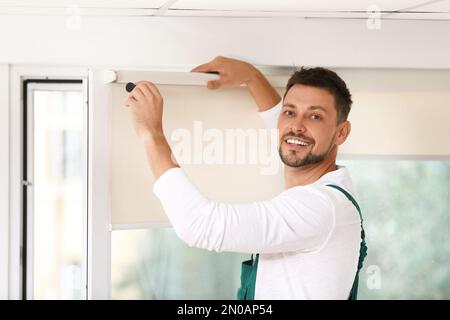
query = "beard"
{"x": 291, "y": 159}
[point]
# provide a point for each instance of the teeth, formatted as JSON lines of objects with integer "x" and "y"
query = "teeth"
{"x": 294, "y": 141}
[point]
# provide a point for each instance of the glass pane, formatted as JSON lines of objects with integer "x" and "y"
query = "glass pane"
{"x": 156, "y": 264}
{"x": 59, "y": 215}
{"x": 406, "y": 211}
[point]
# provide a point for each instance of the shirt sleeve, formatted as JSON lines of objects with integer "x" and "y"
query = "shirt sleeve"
{"x": 299, "y": 219}
{"x": 270, "y": 116}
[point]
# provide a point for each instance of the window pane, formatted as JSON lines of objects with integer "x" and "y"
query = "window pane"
{"x": 406, "y": 211}
{"x": 58, "y": 213}
{"x": 156, "y": 264}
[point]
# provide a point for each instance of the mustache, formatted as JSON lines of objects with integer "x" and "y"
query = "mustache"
{"x": 292, "y": 134}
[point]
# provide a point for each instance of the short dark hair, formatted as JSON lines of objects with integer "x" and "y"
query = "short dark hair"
{"x": 326, "y": 79}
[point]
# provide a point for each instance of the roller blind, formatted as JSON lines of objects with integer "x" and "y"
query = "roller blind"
{"x": 206, "y": 116}
{"x": 399, "y": 113}
{"x": 395, "y": 112}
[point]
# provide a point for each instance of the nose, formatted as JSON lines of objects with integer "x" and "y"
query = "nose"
{"x": 297, "y": 126}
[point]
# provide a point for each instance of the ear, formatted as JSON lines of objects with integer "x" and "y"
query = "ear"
{"x": 343, "y": 132}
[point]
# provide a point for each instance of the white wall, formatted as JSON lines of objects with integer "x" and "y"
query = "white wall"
{"x": 180, "y": 41}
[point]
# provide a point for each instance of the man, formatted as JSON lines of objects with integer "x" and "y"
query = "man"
{"x": 309, "y": 239}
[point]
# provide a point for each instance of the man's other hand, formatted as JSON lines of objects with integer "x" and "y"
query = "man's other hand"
{"x": 232, "y": 72}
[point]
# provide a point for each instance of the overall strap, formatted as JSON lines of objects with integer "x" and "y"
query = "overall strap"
{"x": 349, "y": 197}
{"x": 248, "y": 279}
{"x": 363, "y": 246}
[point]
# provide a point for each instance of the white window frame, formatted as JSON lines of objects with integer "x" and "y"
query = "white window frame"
{"x": 14, "y": 167}
{"x": 98, "y": 198}
{"x": 99, "y": 193}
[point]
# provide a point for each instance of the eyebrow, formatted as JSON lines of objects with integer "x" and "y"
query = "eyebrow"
{"x": 290, "y": 105}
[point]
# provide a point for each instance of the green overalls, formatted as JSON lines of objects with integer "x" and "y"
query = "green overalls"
{"x": 249, "y": 267}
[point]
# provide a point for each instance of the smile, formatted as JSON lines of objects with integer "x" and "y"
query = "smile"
{"x": 297, "y": 142}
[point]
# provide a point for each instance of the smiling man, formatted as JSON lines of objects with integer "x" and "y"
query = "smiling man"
{"x": 308, "y": 240}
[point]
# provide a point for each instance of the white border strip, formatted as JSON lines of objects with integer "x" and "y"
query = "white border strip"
{"x": 30, "y": 193}
{"x": 4, "y": 181}
{"x": 99, "y": 202}
{"x": 15, "y": 183}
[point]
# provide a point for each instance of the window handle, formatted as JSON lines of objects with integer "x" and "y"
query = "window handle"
{"x": 27, "y": 183}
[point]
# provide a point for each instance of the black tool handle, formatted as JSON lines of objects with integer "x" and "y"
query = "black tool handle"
{"x": 130, "y": 86}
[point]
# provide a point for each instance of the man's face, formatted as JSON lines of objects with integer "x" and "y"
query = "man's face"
{"x": 307, "y": 126}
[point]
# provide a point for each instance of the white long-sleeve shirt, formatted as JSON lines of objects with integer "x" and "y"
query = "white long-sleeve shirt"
{"x": 308, "y": 236}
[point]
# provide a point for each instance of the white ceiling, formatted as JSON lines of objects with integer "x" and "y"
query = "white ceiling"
{"x": 293, "y": 5}
{"x": 85, "y": 3}
{"x": 391, "y": 9}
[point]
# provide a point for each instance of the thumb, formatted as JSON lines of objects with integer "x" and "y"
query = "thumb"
{"x": 207, "y": 67}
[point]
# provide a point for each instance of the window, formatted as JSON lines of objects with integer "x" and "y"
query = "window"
{"x": 405, "y": 206}
{"x": 156, "y": 264}
{"x": 405, "y": 202}
{"x": 55, "y": 190}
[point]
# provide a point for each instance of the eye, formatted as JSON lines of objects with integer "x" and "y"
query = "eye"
{"x": 316, "y": 117}
{"x": 288, "y": 113}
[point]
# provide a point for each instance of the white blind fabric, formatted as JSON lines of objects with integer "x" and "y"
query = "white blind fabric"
{"x": 215, "y": 124}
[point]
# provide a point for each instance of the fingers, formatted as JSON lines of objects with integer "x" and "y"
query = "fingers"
{"x": 145, "y": 90}
{"x": 137, "y": 93}
{"x": 207, "y": 67}
{"x": 153, "y": 89}
{"x": 212, "y": 66}
{"x": 214, "y": 84}
{"x": 129, "y": 102}
{"x": 148, "y": 88}
{"x": 218, "y": 65}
